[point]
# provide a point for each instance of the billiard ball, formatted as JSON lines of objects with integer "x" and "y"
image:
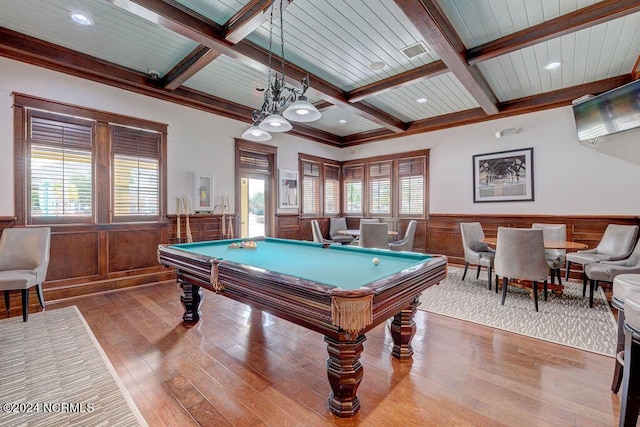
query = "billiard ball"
{"x": 375, "y": 261}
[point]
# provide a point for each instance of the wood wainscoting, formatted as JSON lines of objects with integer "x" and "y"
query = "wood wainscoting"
{"x": 88, "y": 259}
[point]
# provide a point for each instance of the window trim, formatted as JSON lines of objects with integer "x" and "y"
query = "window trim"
{"x": 302, "y": 157}
{"x": 102, "y": 187}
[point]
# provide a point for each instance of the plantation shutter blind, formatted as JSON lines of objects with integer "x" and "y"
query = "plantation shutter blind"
{"x": 411, "y": 185}
{"x": 310, "y": 188}
{"x": 136, "y": 172}
{"x": 255, "y": 162}
{"x": 380, "y": 188}
{"x": 353, "y": 177}
{"x": 60, "y": 182}
{"x": 331, "y": 189}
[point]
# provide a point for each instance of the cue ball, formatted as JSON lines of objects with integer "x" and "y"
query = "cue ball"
{"x": 375, "y": 261}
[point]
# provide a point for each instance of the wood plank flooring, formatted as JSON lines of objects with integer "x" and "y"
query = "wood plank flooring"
{"x": 242, "y": 367}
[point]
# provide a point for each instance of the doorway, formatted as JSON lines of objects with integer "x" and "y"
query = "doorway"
{"x": 253, "y": 191}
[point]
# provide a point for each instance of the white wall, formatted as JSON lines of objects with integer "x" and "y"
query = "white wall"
{"x": 570, "y": 179}
{"x": 197, "y": 141}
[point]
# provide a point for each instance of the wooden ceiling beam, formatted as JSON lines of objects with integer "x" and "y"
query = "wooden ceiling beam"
{"x": 438, "y": 32}
{"x": 595, "y": 14}
{"x": 635, "y": 73}
{"x": 249, "y": 18}
{"x": 199, "y": 58}
{"x": 406, "y": 78}
{"x": 179, "y": 21}
{"x": 37, "y": 52}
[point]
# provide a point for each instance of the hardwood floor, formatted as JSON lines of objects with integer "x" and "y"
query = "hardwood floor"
{"x": 242, "y": 367}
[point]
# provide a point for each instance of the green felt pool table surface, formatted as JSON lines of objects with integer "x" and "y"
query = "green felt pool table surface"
{"x": 346, "y": 267}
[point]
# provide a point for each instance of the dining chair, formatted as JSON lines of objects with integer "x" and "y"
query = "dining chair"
{"x": 476, "y": 252}
{"x": 555, "y": 257}
{"x": 630, "y": 399}
{"x": 24, "y": 260}
{"x": 520, "y": 255}
{"x": 617, "y": 243}
{"x": 336, "y": 224}
{"x": 374, "y": 235}
{"x": 317, "y": 233}
{"x": 406, "y": 243}
{"x": 623, "y": 286}
{"x": 606, "y": 271}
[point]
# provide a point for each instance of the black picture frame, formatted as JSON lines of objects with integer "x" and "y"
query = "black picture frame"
{"x": 503, "y": 176}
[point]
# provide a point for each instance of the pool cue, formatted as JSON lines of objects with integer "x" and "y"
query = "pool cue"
{"x": 178, "y": 220}
{"x": 187, "y": 210}
{"x": 230, "y": 228}
{"x": 224, "y": 218}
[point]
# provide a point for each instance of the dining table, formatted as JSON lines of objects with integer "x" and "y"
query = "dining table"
{"x": 355, "y": 232}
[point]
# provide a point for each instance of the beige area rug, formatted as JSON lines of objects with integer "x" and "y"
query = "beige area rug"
{"x": 53, "y": 372}
{"x": 565, "y": 319}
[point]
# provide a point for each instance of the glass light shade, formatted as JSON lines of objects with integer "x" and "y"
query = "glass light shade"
{"x": 302, "y": 111}
{"x": 275, "y": 123}
{"x": 254, "y": 133}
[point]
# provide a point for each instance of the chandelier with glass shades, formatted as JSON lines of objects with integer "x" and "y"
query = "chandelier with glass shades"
{"x": 281, "y": 103}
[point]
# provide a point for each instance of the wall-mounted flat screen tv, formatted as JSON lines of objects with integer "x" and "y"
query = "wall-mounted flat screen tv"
{"x": 611, "y": 112}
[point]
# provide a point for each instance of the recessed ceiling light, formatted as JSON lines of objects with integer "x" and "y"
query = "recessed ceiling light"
{"x": 421, "y": 100}
{"x": 553, "y": 65}
{"x": 342, "y": 121}
{"x": 81, "y": 18}
{"x": 377, "y": 65}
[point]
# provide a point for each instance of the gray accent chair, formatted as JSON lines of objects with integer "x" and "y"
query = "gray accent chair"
{"x": 24, "y": 260}
{"x": 406, "y": 244}
{"x": 555, "y": 257}
{"x": 374, "y": 235}
{"x": 317, "y": 233}
{"x": 336, "y": 224}
{"x": 520, "y": 255}
{"x": 606, "y": 271}
{"x": 630, "y": 399}
{"x": 617, "y": 243}
{"x": 476, "y": 252}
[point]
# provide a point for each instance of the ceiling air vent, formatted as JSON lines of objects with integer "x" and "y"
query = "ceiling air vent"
{"x": 414, "y": 50}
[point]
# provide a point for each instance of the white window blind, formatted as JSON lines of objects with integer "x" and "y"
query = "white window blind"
{"x": 352, "y": 178}
{"x": 60, "y": 182}
{"x": 331, "y": 189}
{"x": 136, "y": 172}
{"x": 411, "y": 185}
{"x": 310, "y": 188}
{"x": 380, "y": 188}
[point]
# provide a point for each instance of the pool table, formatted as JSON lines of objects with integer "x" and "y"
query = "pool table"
{"x": 335, "y": 290}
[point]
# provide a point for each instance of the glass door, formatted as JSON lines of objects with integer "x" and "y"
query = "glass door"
{"x": 254, "y": 209}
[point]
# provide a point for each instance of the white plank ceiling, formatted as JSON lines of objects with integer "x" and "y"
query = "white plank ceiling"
{"x": 336, "y": 41}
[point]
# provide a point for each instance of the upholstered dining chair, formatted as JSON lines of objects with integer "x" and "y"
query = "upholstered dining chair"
{"x": 24, "y": 259}
{"x": 374, "y": 235}
{"x": 555, "y": 257}
{"x": 317, "y": 233}
{"x": 520, "y": 255}
{"x": 617, "y": 243}
{"x": 606, "y": 271}
{"x": 406, "y": 243}
{"x": 476, "y": 252}
{"x": 336, "y": 224}
{"x": 356, "y": 241}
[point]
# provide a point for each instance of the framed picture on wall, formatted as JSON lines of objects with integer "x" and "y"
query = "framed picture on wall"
{"x": 288, "y": 188}
{"x": 504, "y": 176}
{"x": 202, "y": 192}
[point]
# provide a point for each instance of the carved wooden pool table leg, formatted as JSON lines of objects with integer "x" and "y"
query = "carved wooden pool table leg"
{"x": 345, "y": 374}
{"x": 403, "y": 328}
{"x": 191, "y": 300}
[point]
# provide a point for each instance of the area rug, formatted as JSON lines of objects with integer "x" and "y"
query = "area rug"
{"x": 565, "y": 319}
{"x": 53, "y": 372}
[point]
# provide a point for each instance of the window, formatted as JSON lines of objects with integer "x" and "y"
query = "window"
{"x": 136, "y": 172}
{"x": 60, "y": 183}
{"x": 310, "y": 188}
{"x": 411, "y": 186}
{"x": 331, "y": 190}
{"x": 380, "y": 188}
{"x": 83, "y": 166}
{"x": 353, "y": 177}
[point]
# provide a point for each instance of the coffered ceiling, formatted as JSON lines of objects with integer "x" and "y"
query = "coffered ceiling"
{"x": 481, "y": 59}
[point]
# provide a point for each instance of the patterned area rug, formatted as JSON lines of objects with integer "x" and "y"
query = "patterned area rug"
{"x": 565, "y": 319}
{"x": 53, "y": 372}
